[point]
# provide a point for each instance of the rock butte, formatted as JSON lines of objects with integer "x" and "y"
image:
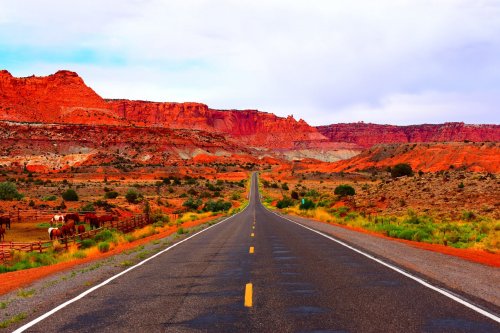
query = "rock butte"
{"x": 63, "y": 98}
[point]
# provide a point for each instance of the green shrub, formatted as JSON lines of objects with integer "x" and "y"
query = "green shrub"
{"x": 49, "y": 198}
{"x": 8, "y": 191}
{"x": 344, "y": 190}
{"x": 103, "y": 235}
{"x": 70, "y": 195}
{"x": 285, "y": 202}
{"x": 285, "y": 187}
{"x": 87, "y": 243}
{"x": 401, "y": 169}
{"x": 111, "y": 195}
{"x": 307, "y": 204}
{"x": 217, "y": 206}
{"x": 180, "y": 231}
{"x": 103, "y": 247}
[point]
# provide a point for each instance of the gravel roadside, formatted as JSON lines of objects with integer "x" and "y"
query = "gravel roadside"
{"x": 476, "y": 282}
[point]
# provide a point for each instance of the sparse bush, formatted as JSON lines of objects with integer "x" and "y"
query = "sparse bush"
{"x": 89, "y": 207}
{"x": 111, "y": 195}
{"x": 192, "y": 204}
{"x": 8, "y": 191}
{"x": 285, "y": 187}
{"x": 401, "y": 169}
{"x": 344, "y": 190}
{"x": 132, "y": 196}
{"x": 295, "y": 195}
{"x": 49, "y": 198}
{"x": 70, "y": 195}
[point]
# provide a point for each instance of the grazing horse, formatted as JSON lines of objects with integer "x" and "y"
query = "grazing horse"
{"x": 81, "y": 229}
{"x": 65, "y": 231}
{"x": 54, "y": 233}
{"x": 106, "y": 218}
{"x": 57, "y": 219}
{"x": 2, "y": 234}
{"x": 72, "y": 216}
{"x": 5, "y": 220}
{"x": 71, "y": 227}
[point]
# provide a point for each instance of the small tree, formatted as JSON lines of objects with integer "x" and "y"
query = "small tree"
{"x": 344, "y": 190}
{"x": 401, "y": 169}
{"x": 70, "y": 195}
{"x": 8, "y": 191}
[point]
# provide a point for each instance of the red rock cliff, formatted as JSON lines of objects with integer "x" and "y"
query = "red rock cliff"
{"x": 367, "y": 135}
{"x": 249, "y": 126}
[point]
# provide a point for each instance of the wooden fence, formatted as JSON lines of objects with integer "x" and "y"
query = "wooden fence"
{"x": 128, "y": 225}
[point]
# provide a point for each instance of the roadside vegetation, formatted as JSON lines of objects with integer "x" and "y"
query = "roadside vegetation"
{"x": 340, "y": 203}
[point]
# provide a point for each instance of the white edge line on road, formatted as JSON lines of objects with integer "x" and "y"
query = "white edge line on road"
{"x": 444, "y": 292}
{"x": 85, "y": 293}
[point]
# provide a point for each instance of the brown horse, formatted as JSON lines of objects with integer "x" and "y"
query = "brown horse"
{"x": 106, "y": 218}
{"x": 81, "y": 229}
{"x": 72, "y": 216}
{"x": 2, "y": 234}
{"x": 94, "y": 223}
{"x": 5, "y": 220}
{"x": 71, "y": 227}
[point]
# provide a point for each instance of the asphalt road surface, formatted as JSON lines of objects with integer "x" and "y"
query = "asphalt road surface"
{"x": 257, "y": 272}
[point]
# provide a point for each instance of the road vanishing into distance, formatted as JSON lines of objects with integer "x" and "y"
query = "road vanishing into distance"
{"x": 259, "y": 272}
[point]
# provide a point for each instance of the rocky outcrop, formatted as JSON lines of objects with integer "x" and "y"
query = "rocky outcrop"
{"x": 367, "y": 135}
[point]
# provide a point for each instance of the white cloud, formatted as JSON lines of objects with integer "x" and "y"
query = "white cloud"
{"x": 314, "y": 59}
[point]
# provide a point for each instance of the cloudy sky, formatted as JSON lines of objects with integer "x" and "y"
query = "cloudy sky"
{"x": 384, "y": 61}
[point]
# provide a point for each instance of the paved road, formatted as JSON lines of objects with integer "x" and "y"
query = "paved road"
{"x": 301, "y": 282}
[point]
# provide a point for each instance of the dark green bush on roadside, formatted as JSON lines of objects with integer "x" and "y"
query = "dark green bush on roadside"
{"x": 307, "y": 204}
{"x": 217, "y": 206}
{"x": 285, "y": 202}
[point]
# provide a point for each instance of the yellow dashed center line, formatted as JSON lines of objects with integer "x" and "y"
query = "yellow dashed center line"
{"x": 253, "y": 227}
{"x": 252, "y": 234}
{"x": 252, "y": 249}
{"x": 248, "y": 295}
